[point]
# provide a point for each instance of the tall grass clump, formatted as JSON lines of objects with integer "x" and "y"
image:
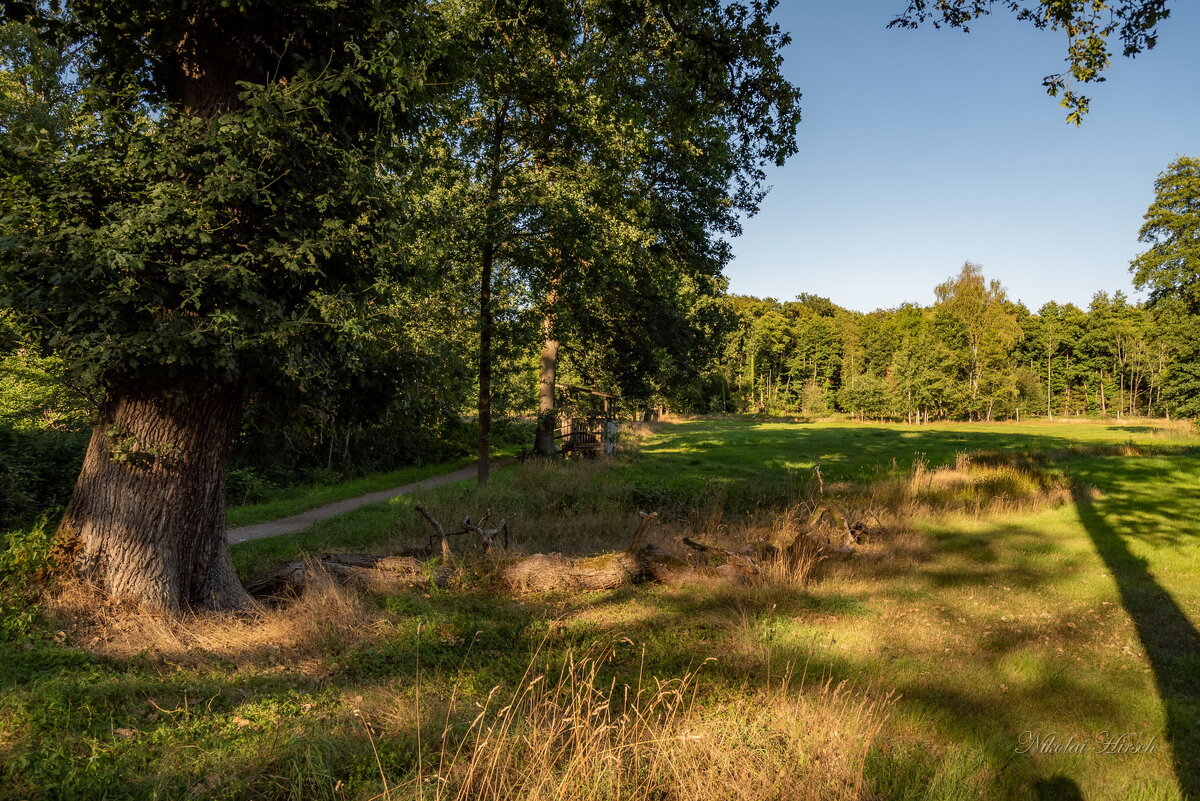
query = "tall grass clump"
{"x": 972, "y": 485}
{"x": 797, "y": 555}
{"x": 577, "y": 507}
{"x": 573, "y": 734}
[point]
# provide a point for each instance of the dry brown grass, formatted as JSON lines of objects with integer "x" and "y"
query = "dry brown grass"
{"x": 974, "y": 485}
{"x": 295, "y": 633}
{"x": 563, "y": 512}
{"x": 573, "y": 734}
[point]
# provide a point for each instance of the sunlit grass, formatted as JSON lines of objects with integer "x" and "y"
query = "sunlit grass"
{"x": 736, "y": 448}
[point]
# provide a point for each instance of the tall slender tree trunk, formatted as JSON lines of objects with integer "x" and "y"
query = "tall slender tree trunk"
{"x": 1067, "y": 387}
{"x": 486, "y": 326}
{"x": 547, "y": 422}
{"x": 1049, "y": 394}
{"x": 753, "y": 380}
{"x": 147, "y": 516}
{"x": 487, "y": 318}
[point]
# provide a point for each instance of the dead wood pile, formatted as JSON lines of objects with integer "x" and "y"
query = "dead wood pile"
{"x": 641, "y": 562}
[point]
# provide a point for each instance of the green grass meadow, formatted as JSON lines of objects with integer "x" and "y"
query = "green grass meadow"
{"x": 737, "y": 449}
{"x": 997, "y": 653}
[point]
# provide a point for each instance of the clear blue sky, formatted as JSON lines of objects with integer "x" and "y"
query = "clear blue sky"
{"x": 922, "y": 149}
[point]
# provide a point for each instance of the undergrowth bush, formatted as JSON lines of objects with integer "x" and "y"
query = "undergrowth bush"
{"x": 24, "y": 556}
{"x": 37, "y": 471}
{"x": 245, "y": 485}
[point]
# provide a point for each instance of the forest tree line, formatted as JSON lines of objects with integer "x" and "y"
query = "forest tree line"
{"x": 974, "y": 354}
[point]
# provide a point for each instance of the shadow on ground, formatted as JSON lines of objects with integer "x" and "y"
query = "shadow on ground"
{"x": 1170, "y": 639}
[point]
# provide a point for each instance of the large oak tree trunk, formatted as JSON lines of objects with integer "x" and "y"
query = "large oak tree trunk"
{"x": 147, "y": 516}
{"x": 148, "y": 511}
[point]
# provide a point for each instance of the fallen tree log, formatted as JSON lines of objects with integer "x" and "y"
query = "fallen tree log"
{"x": 553, "y": 571}
{"x": 365, "y": 570}
{"x": 640, "y": 563}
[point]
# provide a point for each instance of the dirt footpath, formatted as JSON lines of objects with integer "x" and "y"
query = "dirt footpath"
{"x": 289, "y": 525}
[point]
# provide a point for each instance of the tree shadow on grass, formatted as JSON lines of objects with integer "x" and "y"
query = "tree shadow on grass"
{"x": 1058, "y": 788}
{"x": 1171, "y": 641}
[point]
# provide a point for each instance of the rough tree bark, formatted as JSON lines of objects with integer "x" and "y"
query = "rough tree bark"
{"x": 147, "y": 516}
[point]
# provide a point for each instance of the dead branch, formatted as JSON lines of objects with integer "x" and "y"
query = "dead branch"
{"x": 440, "y": 532}
{"x": 488, "y": 536}
{"x": 838, "y": 520}
{"x": 641, "y": 530}
{"x": 739, "y": 563}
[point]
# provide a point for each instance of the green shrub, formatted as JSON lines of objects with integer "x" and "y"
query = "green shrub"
{"x": 245, "y": 485}
{"x": 24, "y": 554}
{"x": 37, "y": 471}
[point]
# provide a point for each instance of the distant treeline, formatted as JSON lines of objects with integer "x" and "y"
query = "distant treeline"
{"x": 972, "y": 355}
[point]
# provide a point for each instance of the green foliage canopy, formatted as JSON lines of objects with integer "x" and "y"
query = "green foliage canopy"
{"x": 1170, "y": 267}
{"x": 224, "y": 204}
{"x": 973, "y": 354}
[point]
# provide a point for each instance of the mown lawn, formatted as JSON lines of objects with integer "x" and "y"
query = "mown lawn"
{"x": 984, "y": 637}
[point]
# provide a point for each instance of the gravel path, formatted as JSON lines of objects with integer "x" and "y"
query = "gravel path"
{"x": 288, "y": 525}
